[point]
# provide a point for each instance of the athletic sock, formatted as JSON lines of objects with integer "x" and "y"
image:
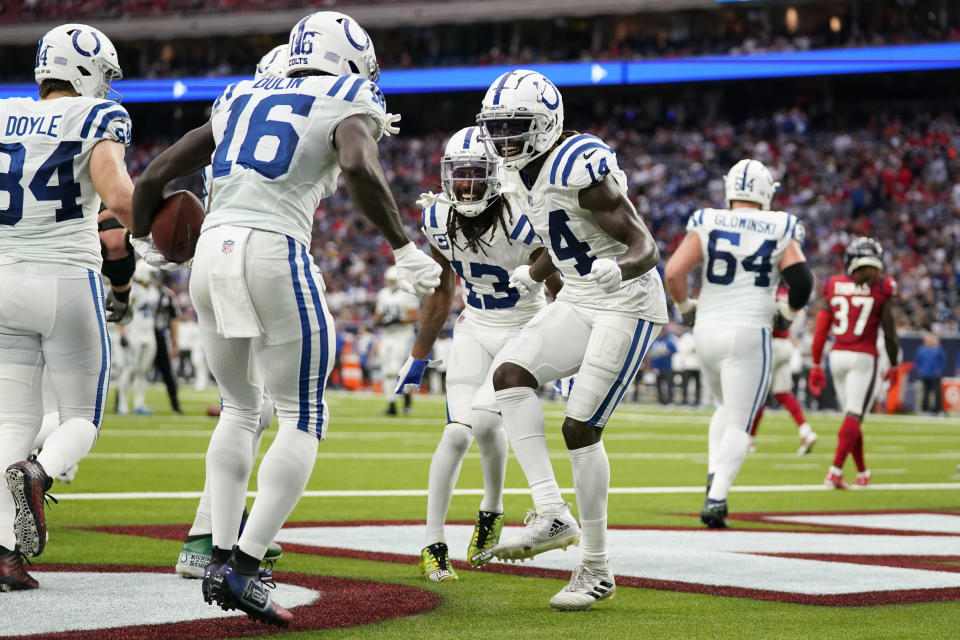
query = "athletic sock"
{"x": 789, "y": 402}
{"x": 444, "y": 471}
{"x": 281, "y": 479}
{"x": 857, "y": 452}
{"x": 67, "y": 445}
{"x": 524, "y": 422}
{"x": 492, "y": 442}
{"x": 846, "y": 439}
{"x": 228, "y": 472}
{"x": 591, "y": 481}
{"x": 730, "y": 456}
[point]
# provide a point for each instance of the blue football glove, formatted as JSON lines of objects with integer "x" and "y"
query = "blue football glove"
{"x": 410, "y": 376}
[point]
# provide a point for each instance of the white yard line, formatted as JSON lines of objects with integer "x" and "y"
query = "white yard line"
{"x": 420, "y": 493}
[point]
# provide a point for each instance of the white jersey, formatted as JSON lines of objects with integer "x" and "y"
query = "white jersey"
{"x": 275, "y": 159}
{"x": 393, "y": 305}
{"x": 144, "y": 301}
{"x": 573, "y": 237}
{"x": 741, "y": 264}
{"x": 48, "y": 206}
{"x": 488, "y": 297}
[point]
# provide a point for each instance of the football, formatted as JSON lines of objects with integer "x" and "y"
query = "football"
{"x": 176, "y": 227}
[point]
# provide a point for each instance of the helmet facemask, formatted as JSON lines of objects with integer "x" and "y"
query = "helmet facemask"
{"x": 513, "y": 136}
{"x": 469, "y": 183}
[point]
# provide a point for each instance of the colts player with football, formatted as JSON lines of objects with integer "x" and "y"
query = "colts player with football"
{"x": 854, "y": 307}
{"x": 477, "y": 231}
{"x": 63, "y": 155}
{"x": 258, "y": 293}
{"x": 604, "y": 319}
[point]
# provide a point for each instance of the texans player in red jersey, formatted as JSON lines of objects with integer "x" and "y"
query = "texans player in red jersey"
{"x": 782, "y": 383}
{"x": 858, "y": 303}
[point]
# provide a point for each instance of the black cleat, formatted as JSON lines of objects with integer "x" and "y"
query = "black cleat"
{"x": 249, "y": 593}
{"x": 714, "y": 514}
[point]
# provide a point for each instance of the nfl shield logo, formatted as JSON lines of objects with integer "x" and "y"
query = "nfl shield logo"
{"x": 529, "y": 199}
{"x": 228, "y": 246}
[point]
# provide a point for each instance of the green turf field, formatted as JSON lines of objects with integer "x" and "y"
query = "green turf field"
{"x": 648, "y": 447}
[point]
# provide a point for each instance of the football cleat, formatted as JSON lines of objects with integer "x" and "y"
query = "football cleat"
{"x": 486, "y": 535}
{"x": 195, "y": 555}
{"x": 835, "y": 479}
{"x": 863, "y": 478}
{"x": 13, "y": 576}
{"x": 554, "y": 528}
{"x": 714, "y": 514}
{"x": 212, "y": 581}
{"x": 29, "y": 483}
{"x": 435, "y": 563}
{"x": 807, "y": 442}
{"x": 234, "y": 590}
{"x": 587, "y": 586}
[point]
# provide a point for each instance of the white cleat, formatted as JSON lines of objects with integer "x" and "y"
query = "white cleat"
{"x": 806, "y": 442}
{"x": 586, "y": 587}
{"x": 553, "y": 529}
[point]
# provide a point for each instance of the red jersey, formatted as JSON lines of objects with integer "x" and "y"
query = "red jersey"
{"x": 783, "y": 294}
{"x": 856, "y": 311}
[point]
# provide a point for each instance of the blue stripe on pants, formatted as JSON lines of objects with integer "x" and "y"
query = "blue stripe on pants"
{"x": 636, "y": 367}
{"x": 303, "y": 422}
{"x": 322, "y": 324}
{"x": 623, "y": 372}
{"x": 766, "y": 370}
{"x": 102, "y": 381}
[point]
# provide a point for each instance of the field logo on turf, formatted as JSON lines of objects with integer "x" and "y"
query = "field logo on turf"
{"x": 841, "y": 559}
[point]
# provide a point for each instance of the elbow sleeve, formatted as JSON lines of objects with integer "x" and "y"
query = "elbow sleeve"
{"x": 799, "y": 280}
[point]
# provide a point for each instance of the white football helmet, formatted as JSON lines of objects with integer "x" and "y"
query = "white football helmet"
{"x": 521, "y": 116}
{"x": 274, "y": 64}
{"x": 750, "y": 181}
{"x": 333, "y": 43}
{"x": 390, "y": 277}
{"x": 80, "y": 55}
{"x": 469, "y": 175}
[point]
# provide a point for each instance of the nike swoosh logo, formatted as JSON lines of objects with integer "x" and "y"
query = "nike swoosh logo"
{"x": 586, "y": 156}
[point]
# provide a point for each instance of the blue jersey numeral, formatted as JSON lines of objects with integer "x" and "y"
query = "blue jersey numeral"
{"x": 67, "y": 190}
{"x": 504, "y": 296}
{"x": 758, "y": 262}
{"x": 260, "y": 126}
{"x": 10, "y": 182}
{"x": 567, "y": 246}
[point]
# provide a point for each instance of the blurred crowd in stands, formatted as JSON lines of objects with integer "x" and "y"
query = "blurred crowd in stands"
{"x": 729, "y": 30}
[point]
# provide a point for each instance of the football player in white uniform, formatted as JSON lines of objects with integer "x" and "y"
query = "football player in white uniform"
{"x": 197, "y": 549}
{"x": 277, "y": 148}
{"x": 396, "y": 312}
{"x": 139, "y": 342}
{"x": 610, "y": 309}
{"x": 60, "y": 156}
{"x": 479, "y": 233}
{"x": 745, "y": 250}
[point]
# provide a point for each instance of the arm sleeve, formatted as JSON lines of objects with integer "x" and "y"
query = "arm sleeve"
{"x": 799, "y": 280}
{"x": 824, "y": 320}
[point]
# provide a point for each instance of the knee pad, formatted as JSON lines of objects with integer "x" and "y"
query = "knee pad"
{"x": 459, "y": 436}
{"x": 484, "y": 423}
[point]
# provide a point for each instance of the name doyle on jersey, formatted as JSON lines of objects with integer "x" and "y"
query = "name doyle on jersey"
{"x": 33, "y": 125}
{"x": 736, "y": 222}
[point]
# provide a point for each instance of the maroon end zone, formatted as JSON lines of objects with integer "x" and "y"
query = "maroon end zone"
{"x": 344, "y": 602}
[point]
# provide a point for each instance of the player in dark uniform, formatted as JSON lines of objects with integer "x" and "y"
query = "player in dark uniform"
{"x": 854, "y": 307}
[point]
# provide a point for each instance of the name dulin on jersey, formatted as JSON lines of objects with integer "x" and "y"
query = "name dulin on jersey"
{"x": 275, "y": 157}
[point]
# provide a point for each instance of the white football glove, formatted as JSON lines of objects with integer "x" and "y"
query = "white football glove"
{"x": 390, "y": 127}
{"x": 606, "y": 274}
{"x": 427, "y": 200}
{"x": 417, "y": 273}
{"x": 688, "y": 311}
{"x": 521, "y": 281}
{"x": 783, "y": 317}
{"x": 149, "y": 253}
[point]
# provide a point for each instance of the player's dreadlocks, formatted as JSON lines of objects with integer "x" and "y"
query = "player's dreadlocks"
{"x": 474, "y": 228}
